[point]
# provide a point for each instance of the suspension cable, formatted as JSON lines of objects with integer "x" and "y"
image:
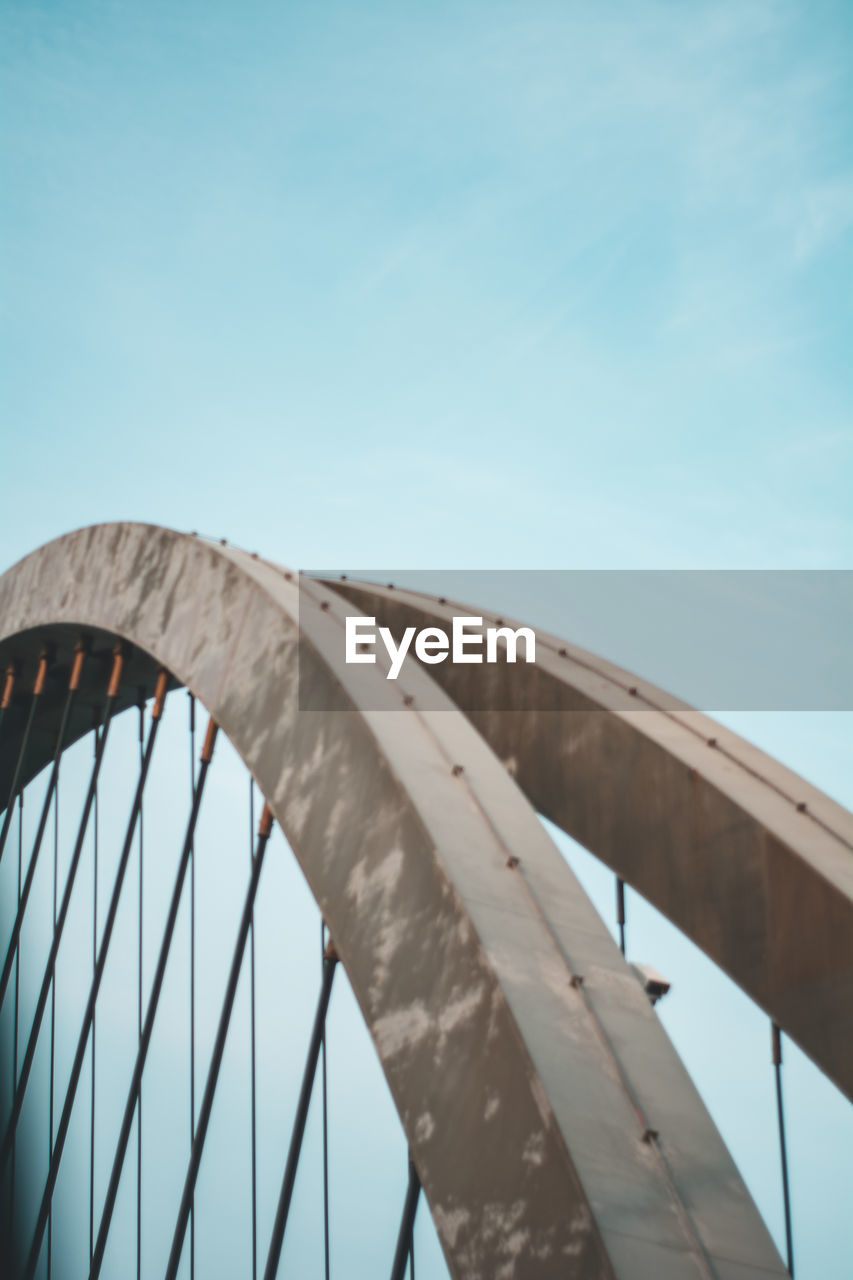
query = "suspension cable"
{"x": 38, "y": 690}
{"x": 406, "y": 1236}
{"x": 47, "y": 979}
{"x": 776, "y": 1038}
{"x": 95, "y": 816}
{"x": 330, "y": 959}
{"x": 252, "y": 1048}
{"x": 88, "y": 1017}
{"x": 192, "y": 976}
{"x": 206, "y": 1108}
{"x": 10, "y": 676}
{"x": 73, "y": 688}
{"x": 153, "y": 1000}
{"x": 142, "y": 772}
{"x": 620, "y": 911}
{"x": 324, "y": 1083}
{"x": 52, "y": 1079}
{"x": 17, "y": 1010}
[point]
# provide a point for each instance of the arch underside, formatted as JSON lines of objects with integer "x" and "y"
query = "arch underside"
{"x": 553, "y": 1126}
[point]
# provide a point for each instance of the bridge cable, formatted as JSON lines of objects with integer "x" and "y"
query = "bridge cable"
{"x": 47, "y": 978}
{"x": 776, "y": 1039}
{"x": 185, "y": 1208}
{"x": 11, "y": 675}
{"x": 73, "y": 685}
{"x": 192, "y": 975}
{"x": 405, "y": 1250}
{"x": 38, "y": 690}
{"x": 52, "y": 1077}
{"x": 620, "y": 911}
{"x": 153, "y": 1000}
{"x": 330, "y": 960}
{"x": 142, "y": 771}
{"x": 95, "y": 827}
{"x": 88, "y": 1017}
{"x": 252, "y": 1046}
{"x": 17, "y": 1010}
{"x": 325, "y": 1093}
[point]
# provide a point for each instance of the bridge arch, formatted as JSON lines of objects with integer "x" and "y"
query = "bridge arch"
{"x": 749, "y": 860}
{"x": 553, "y": 1126}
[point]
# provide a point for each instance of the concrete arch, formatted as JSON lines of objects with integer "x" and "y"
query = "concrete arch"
{"x": 751, "y": 862}
{"x": 554, "y": 1128}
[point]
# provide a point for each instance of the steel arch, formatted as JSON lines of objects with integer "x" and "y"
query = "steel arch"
{"x": 554, "y": 1128}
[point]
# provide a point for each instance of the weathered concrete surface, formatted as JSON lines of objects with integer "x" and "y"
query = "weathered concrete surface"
{"x": 526, "y": 1099}
{"x": 749, "y": 860}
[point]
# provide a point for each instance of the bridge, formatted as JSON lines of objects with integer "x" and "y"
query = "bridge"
{"x": 551, "y": 1129}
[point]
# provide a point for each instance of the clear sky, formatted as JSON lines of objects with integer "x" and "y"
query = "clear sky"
{"x": 543, "y": 285}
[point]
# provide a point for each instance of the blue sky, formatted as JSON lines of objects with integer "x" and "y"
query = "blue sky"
{"x": 528, "y": 285}
{"x": 473, "y": 285}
